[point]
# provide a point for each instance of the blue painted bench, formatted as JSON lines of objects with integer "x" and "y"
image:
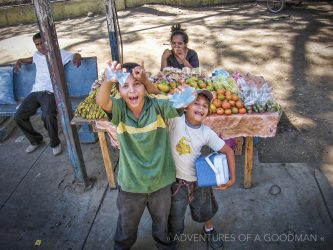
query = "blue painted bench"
{"x": 79, "y": 81}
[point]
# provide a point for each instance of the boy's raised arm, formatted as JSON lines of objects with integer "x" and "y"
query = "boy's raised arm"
{"x": 103, "y": 96}
{"x": 231, "y": 162}
{"x": 151, "y": 88}
{"x": 140, "y": 75}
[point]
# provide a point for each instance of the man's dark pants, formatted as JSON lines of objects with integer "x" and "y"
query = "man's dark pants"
{"x": 131, "y": 207}
{"x": 46, "y": 101}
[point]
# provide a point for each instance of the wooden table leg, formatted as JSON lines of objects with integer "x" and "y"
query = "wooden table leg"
{"x": 107, "y": 159}
{"x": 248, "y": 163}
{"x": 239, "y": 146}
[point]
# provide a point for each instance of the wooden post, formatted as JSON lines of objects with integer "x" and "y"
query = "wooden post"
{"x": 248, "y": 163}
{"x": 56, "y": 68}
{"x": 107, "y": 159}
{"x": 114, "y": 32}
{"x": 239, "y": 146}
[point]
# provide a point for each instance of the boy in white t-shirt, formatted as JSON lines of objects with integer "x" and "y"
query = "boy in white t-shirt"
{"x": 41, "y": 96}
{"x": 188, "y": 135}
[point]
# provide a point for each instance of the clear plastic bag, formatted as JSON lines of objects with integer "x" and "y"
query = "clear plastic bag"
{"x": 116, "y": 75}
{"x": 255, "y": 93}
{"x": 183, "y": 98}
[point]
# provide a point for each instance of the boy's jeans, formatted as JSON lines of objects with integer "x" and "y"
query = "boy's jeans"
{"x": 131, "y": 207}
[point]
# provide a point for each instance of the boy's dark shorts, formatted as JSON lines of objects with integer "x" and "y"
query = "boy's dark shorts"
{"x": 203, "y": 206}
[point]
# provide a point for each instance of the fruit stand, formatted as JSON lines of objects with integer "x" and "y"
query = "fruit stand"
{"x": 242, "y": 107}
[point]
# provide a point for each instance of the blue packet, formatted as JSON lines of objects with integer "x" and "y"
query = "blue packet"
{"x": 183, "y": 99}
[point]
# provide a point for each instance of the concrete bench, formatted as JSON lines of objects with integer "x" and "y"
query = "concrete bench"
{"x": 79, "y": 81}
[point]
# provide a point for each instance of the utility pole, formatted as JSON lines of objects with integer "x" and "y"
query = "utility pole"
{"x": 56, "y": 68}
{"x": 113, "y": 30}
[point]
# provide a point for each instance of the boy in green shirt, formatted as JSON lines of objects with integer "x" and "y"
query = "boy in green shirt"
{"x": 146, "y": 166}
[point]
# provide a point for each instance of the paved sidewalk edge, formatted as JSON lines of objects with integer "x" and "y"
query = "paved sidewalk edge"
{"x": 326, "y": 191}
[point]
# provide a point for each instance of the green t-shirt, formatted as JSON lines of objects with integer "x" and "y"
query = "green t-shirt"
{"x": 145, "y": 160}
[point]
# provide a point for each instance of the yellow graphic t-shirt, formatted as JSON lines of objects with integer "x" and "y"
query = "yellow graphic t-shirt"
{"x": 186, "y": 143}
{"x": 183, "y": 146}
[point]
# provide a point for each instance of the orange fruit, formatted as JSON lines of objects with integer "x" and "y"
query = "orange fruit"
{"x": 232, "y": 103}
{"x": 227, "y": 112}
{"x": 220, "y": 91}
{"x": 242, "y": 110}
{"x": 217, "y": 103}
{"x": 226, "y": 105}
{"x": 228, "y": 92}
{"x": 239, "y": 104}
{"x": 220, "y": 111}
{"x": 235, "y": 98}
{"x": 220, "y": 96}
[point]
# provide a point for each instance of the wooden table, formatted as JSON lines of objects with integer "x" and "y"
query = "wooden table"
{"x": 248, "y": 126}
{"x": 233, "y": 126}
{"x": 104, "y": 148}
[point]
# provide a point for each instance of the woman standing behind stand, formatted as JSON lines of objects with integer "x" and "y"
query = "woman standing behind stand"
{"x": 179, "y": 56}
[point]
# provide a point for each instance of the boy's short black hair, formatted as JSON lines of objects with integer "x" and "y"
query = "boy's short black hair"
{"x": 130, "y": 66}
{"x": 37, "y": 36}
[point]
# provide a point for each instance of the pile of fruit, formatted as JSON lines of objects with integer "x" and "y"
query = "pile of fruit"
{"x": 88, "y": 109}
{"x": 235, "y": 94}
{"x": 226, "y": 100}
{"x": 232, "y": 94}
{"x": 226, "y": 103}
{"x": 170, "y": 78}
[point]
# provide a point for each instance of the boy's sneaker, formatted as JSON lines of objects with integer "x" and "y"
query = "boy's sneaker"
{"x": 31, "y": 148}
{"x": 213, "y": 238}
{"x": 57, "y": 150}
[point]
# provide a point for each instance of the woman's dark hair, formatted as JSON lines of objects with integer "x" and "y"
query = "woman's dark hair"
{"x": 177, "y": 30}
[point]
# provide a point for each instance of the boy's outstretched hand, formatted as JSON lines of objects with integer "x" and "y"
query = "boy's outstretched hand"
{"x": 139, "y": 74}
{"x": 231, "y": 163}
{"x": 226, "y": 186}
{"x": 114, "y": 65}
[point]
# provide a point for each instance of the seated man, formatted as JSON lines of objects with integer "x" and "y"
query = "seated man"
{"x": 41, "y": 96}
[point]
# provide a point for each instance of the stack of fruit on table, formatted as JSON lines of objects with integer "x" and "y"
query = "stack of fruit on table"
{"x": 231, "y": 94}
{"x": 88, "y": 109}
{"x": 171, "y": 78}
{"x": 226, "y": 95}
{"x": 226, "y": 100}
